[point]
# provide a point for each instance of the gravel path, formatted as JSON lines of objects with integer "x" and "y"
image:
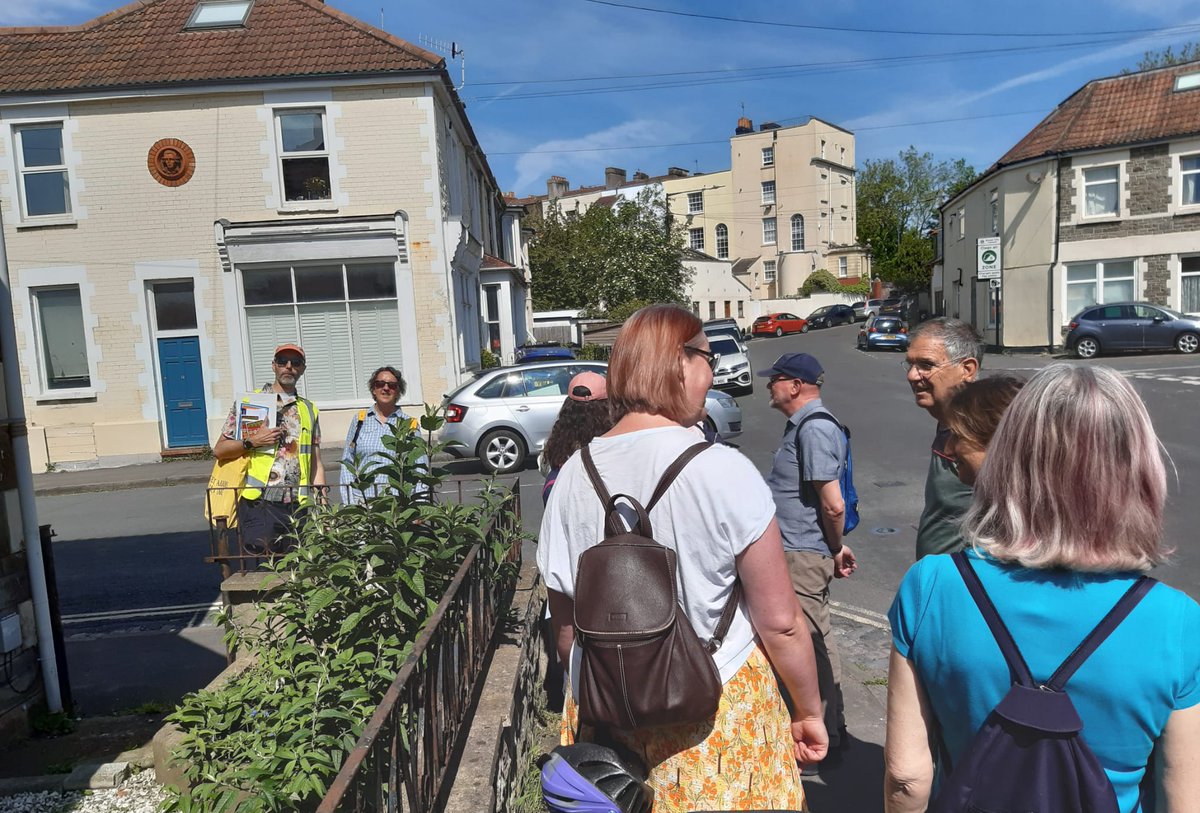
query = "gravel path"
{"x": 139, "y": 794}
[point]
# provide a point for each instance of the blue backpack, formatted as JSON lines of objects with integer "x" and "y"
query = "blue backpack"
{"x": 849, "y": 492}
{"x": 1030, "y": 754}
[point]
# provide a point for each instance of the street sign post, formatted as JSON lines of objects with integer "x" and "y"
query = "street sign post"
{"x": 994, "y": 284}
{"x": 988, "y": 266}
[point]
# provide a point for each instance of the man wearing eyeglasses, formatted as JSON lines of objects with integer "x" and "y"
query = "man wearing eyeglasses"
{"x": 285, "y": 468}
{"x": 944, "y": 354}
{"x": 805, "y": 482}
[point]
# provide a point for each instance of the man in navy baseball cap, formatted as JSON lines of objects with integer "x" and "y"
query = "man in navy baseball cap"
{"x": 800, "y": 366}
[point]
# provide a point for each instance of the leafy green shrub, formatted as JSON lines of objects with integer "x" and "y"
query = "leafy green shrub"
{"x": 488, "y": 359}
{"x": 822, "y": 280}
{"x": 355, "y": 592}
{"x": 593, "y": 352}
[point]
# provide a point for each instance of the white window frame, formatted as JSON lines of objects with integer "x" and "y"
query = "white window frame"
{"x": 1115, "y": 181}
{"x": 695, "y": 202}
{"x": 1177, "y": 284}
{"x": 994, "y": 204}
{"x": 193, "y": 25}
{"x": 722, "y": 239}
{"x": 323, "y": 403}
{"x": 793, "y": 221}
{"x": 768, "y": 156}
{"x": 65, "y": 277}
{"x": 1082, "y": 165}
{"x": 773, "y": 229}
{"x": 1098, "y": 281}
{"x": 843, "y": 267}
{"x": 20, "y": 170}
{"x": 769, "y": 271}
{"x": 321, "y": 204}
{"x": 962, "y": 223}
{"x": 696, "y": 239}
{"x": 768, "y": 193}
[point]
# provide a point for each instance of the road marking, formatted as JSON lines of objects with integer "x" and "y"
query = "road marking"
{"x": 117, "y": 615}
{"x": 861, "y": 615}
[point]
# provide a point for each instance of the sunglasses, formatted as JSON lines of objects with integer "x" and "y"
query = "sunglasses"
{"x": 385, "y": 385}
{"x": 712, "y": 358}
{"x": 295, "y": 364}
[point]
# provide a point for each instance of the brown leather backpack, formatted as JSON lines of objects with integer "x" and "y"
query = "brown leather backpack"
{"x": 643, "y": 664}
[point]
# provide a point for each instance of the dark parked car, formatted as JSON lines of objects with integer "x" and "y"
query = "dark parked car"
{"x": 777, "y": 324}
{"x": 893, "y": 305}
{"x": 542, "y": 352}
{"x": 1121, "y": 326}
{"x": 883, "y": 331}
{"x": 831, "y": 315}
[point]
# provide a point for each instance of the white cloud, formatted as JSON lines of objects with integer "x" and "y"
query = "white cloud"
{"x": 47, "y": 12}
{"x": 588, "y": 152}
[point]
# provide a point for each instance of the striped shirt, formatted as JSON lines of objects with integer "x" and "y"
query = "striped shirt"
{"x": 368, "y": 452}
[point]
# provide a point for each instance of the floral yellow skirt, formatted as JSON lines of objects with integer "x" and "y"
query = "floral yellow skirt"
{"x": 743, "y": 759}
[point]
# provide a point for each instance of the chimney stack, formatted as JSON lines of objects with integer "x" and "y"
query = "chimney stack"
{"x": 614, "y": 177}
{"x": 677, "y": 172}
{"x": 744, "y": 126}
{"x": 640, "y": 176}
{"x": 557, "y": 186}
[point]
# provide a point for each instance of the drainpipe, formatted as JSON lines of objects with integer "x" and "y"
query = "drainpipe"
{"x": 1052, "y": 288}
{"x": 15, "y": 402}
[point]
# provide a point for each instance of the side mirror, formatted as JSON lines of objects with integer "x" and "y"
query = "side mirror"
{"x": 1160, "y": 318}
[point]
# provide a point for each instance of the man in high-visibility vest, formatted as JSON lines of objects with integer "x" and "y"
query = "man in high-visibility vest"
{"x": 285, "y": 470}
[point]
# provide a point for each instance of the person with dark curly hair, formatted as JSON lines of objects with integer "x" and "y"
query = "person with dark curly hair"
{"x": 584, "y": 415}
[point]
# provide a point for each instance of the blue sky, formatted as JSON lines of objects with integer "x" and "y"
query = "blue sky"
{"x": 891, "y": 89}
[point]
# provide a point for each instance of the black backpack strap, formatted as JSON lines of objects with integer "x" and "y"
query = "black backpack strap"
{"x": 362, "y": 416}
{"x": 1136, "y": 592}
{"x": 726, "y": 619}
{"x": 1008, "y": 647}
{"x": 610, "y": 524}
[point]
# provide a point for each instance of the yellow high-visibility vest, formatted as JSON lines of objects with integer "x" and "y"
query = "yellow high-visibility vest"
{"x": 261, "y": 460}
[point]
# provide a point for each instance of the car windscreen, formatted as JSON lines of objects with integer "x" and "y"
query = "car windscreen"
{"x": 820, "y": 312}
{"x": 760, "y": 320}
{"x": 887, "y": 325}
{"x": 725, "y": 347}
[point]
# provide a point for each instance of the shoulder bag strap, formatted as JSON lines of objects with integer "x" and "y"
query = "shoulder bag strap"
{"x": 726, "y": 619}
{"x": 1008, "y": 647}
{"x": 362, "y": 417}
{"x": 1136, "y": 592}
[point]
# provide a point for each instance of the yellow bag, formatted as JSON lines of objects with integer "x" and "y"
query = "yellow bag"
{"x": 224, "y": 484}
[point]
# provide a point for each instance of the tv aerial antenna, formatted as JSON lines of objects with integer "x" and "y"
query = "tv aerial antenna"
{"x": 450, "y": 49}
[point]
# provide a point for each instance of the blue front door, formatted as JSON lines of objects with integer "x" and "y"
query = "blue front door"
{"x": 183, "y": 392}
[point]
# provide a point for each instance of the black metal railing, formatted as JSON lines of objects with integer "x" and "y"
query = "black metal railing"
{"x": 400, "y": 761}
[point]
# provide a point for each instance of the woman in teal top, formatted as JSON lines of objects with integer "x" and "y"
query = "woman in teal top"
{"x": 1067, "y": 513}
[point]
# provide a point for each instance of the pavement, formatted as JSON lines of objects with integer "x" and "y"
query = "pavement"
{"x": 862, "y": 636}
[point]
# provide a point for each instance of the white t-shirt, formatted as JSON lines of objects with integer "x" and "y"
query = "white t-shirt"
{"x": 717, "y": 506}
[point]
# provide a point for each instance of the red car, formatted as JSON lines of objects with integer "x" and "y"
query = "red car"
{"x": 777, "y": 324}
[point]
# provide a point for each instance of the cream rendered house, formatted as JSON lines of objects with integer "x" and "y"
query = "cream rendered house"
{"x": 186, "y": 184}
{"x": 1099, "y": 203}
{"x": 793, "y": 205}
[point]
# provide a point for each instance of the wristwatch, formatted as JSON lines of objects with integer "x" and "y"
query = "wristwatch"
{"x": 246, "y": 444}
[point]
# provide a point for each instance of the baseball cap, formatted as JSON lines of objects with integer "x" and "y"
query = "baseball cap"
{"x": 295, "y": 348}
{"x": 588, "y": 386}
{"x": 801, "y": 366}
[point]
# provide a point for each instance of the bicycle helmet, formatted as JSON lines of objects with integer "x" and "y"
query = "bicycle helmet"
{"x": 590, "y": 778}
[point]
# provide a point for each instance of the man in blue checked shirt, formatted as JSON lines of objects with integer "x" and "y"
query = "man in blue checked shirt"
{"x": 364, "y": 447}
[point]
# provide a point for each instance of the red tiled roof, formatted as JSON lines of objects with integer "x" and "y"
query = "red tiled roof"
{"x": 495, "y": 262}
{"x": 1117, "y": 110}
{"x": 145, "y": 44}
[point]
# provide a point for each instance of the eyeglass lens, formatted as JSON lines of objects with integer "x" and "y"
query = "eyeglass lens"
{"x": 286, "y": 362}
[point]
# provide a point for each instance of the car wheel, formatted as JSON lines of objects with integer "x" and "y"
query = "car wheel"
{"x": 1187, "y": 342}
{"x": 1086, "y": 347}
{"x": 804, "y": 329}
{"x": 502, "y": 451}
{"x": 778, "y": 332}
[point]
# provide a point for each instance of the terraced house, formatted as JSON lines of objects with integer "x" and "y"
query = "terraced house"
{"x": 1100, "y": 202}
{"x": 186, "y": 184}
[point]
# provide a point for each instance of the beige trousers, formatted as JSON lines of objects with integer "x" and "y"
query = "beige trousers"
{"x": 811, "y": 574}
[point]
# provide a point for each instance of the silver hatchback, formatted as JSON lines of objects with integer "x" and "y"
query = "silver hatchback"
{"x": 504, "y": 415}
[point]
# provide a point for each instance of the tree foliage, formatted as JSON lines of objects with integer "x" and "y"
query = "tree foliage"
{"x": 898, "y": 200}
{"x": 354, "y": 594}
{"x": 822, "y": 280}
{"x": 1189, "y": 52}
{"x": 609, "y": 258}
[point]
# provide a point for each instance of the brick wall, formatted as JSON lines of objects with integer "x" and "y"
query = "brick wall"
{"x": 1157, "y": 280}
{"x": 1149, "y": 172}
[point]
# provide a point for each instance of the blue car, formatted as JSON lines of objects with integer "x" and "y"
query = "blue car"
{"x": 542, "y": 352}
{"x": 883, "y": 331}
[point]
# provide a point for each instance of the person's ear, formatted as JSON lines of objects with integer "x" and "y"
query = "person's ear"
{"x": 970, "y": 369}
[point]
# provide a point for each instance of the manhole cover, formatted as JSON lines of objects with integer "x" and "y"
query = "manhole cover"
{"x": 889, "y": 483}
{"x": 883, "y": 531}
